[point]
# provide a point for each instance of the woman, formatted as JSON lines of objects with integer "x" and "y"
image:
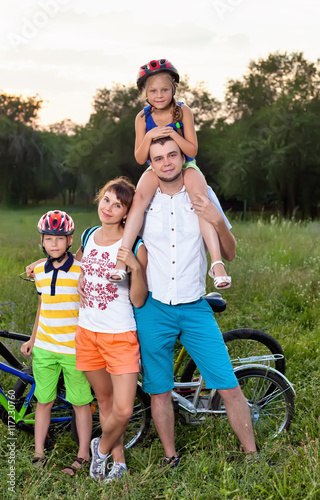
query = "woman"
{"x": 107, "y": 347}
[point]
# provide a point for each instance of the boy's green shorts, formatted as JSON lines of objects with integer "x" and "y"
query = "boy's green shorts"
{"x": 47, "y": 367}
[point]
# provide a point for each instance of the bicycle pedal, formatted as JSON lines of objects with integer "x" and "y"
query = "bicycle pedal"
{"x": 198, "y": 421}
{"x": 175, "y": 404}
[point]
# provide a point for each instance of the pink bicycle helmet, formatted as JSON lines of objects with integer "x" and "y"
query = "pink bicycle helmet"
{"x": 154, "y": 67}
{"x": 56, "y": 222}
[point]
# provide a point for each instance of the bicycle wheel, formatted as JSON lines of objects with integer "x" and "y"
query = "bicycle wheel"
{"x": 138, "y": 426}
{"x": 61, "y": 415}
{"x": 270, "y": 400}
{"x": 244, "y": 343}
{"x": 249, "y": 343}
{"x": 61, "y": 412}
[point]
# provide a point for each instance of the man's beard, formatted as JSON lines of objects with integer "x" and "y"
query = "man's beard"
{"x": 171, "y": 178}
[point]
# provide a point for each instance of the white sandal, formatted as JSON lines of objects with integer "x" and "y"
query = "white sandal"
{"x": 218, "y": 280}
{"x": 118, "y": 272}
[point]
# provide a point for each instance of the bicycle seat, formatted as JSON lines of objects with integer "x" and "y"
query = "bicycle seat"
{"x": 216, "y": 302}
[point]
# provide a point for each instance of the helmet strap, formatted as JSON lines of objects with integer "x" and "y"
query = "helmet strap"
{"x": 58, "y": 259}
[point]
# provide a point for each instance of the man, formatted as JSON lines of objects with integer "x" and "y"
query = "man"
{"x": 176, "y": 274}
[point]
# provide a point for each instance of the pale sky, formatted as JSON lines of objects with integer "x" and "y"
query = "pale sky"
{"x": 64, "y": 50}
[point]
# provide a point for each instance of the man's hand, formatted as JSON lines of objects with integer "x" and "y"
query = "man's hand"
{"x": 204, "y": 207}
{"x": 80, "y": 290}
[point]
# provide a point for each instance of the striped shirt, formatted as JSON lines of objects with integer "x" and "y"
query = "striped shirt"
{"x": 59, "y": 305}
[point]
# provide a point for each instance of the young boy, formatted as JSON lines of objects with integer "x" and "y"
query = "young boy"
{"x": 52, "y": 342}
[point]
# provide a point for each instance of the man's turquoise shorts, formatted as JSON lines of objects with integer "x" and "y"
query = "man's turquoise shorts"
{"x": 160, "y": 324}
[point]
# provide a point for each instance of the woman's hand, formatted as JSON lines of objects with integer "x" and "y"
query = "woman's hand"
{"x": 80, "y": 290}
{"x": 30, "y": 268}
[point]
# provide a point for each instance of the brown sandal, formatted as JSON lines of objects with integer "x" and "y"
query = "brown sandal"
{"x": 81, "y": 461}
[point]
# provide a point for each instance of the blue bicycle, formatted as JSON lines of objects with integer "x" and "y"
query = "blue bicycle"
{"x": 18, "y": 403}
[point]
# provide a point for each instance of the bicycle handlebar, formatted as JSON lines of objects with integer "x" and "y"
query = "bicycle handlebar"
{"x": 14, "y": 336}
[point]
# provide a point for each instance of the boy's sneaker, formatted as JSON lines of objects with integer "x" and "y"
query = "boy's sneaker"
{"x": 117, "y": 471}
{"x": 98, "y": 465}
{"x": 171, "y": 462}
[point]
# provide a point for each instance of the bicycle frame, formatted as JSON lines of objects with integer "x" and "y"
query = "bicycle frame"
{"x": 8, "y": 401}
{"x": 236, "y": 361}
{"x": 190, "y": 407}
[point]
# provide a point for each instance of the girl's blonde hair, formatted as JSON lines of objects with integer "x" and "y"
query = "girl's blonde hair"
{"x": 123, "y": 189}
{"x": 177, "y": 113}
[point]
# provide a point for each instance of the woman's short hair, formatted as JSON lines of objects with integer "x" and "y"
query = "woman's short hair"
{"x": 123, "y": 189}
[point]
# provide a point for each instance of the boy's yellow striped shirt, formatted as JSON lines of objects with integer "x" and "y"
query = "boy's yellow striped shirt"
{"x": 59, "y": 307}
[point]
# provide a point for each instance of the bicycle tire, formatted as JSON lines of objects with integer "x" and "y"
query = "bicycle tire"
{"x": 238, "y": 345}
{"x": 61, "y": 408}
{"x": 257, "y": 339}
{"x": 270, "y": 399}
{"x": 138, "y": 426}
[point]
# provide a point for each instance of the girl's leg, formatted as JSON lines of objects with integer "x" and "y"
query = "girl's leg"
{"x": 41, "y": 427}
{"x": 146, "y": 188}
{"x": 195, "y": 183}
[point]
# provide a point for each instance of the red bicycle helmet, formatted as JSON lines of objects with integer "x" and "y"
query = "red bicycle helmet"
{"x": 56, "y": 222}
{"x": 153, "y": 67}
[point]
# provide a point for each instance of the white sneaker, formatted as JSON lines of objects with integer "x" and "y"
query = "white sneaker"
{"x": 117, "y": 471}
{"x": 98, "y": 465}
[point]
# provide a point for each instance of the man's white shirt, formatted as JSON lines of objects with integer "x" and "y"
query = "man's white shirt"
{"x": 177, "y": 263}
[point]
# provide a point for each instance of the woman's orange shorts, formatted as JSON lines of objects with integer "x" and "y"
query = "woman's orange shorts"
{"x": 118, "y": 353}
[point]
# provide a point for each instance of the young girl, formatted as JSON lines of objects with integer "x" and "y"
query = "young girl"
{"x": 107, "y": 348}
{"x": 165, "y": 117}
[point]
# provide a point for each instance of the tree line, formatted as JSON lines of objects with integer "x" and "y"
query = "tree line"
{"x": 260, "y": 145}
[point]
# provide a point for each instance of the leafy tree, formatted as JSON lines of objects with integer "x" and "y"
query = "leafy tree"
{"x": 20, "y": 155}
{"x": 54, "y": 177}
{"x": 64, "y": 127}
{"x": 279, "y": 75}
{"x": 31, "y": 160}
{"x": 104, "y": 148}
{"x": 19, "y": 109}
{"x": 270, "y": 151}
{"x": 205, "y": 108}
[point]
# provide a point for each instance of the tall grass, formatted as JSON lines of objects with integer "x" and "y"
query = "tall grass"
{"x": 276, "y": 277}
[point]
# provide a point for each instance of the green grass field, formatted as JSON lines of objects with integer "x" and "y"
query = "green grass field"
{"x": 276, "y": 277}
